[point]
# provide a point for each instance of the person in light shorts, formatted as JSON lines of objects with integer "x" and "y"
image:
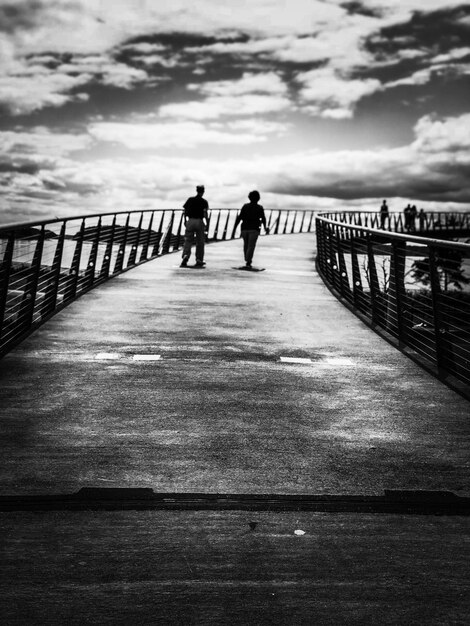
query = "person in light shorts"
{"x": 251, "y": 217}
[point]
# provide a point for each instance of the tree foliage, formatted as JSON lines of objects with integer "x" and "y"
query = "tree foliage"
{"x": 449, "y": 268}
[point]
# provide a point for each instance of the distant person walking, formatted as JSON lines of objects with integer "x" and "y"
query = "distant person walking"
{"x": 196, "y": 221}
{"x": 251, "y": 217}
{"x": 413, "y": 214}
{"x": 384, "y": 215}
{"x": 407, "y": 214}
{"x": 422, "y": 219}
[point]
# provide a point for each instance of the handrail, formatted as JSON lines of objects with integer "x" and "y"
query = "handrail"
{"x": 412, "y": 289}
{"x": 45, "y": 265}
{"x": 399, "y": 236}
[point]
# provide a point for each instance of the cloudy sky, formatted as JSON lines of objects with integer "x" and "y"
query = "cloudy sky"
{"x": 128, "y": 104}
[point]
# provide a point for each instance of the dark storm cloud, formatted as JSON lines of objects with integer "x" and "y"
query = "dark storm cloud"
{"x": 22, "y": 168}
{"x": 425, "y": 190}
{"x": 433, "y": 33}
{"x": 24, "y": 15}
{"x": 181, "y": 57}
{"x": 358, "y": 8}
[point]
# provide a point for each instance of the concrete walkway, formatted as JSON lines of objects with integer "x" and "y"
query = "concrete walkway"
{"x": 220, "y": 411}
{"x": 81, "y": 404}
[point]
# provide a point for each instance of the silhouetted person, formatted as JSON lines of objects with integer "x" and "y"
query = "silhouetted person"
{"x": 413, "y": 214}
{"x": 406, "y": 213}
{"x": 196, "y": 221}
{"x": 251, "y": 216}
{"x": 383, "y": 214}
{"x": 422, "y": 219}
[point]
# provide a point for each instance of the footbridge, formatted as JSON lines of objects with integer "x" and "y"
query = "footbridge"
{"x": 220, "y": 446}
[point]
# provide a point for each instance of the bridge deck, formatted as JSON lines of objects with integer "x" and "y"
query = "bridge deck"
{"x": 221, "y": 412}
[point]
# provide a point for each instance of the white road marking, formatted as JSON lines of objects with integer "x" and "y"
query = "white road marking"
{"x": 293, "y": 359}
{"x": 338, "y": 361}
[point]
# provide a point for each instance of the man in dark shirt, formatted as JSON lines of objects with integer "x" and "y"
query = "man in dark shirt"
{"x": 196, "y": 221}
{"x": 251, "y": 216}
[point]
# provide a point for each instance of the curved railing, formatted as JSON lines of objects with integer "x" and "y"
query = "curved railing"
{"x": 411, "y": 287}
{"x": 46, "y": 265}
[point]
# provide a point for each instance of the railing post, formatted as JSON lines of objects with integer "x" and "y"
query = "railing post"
{"x": 91, "y": 265}
{"x": 343, "y": 272}
{"x": 156, "y": 245}
{"x": 356, "y": 275}
{"x": 285, "y": 223}
{"x": 216, "y": 229}
{"x": 330, "y": 257}
{"x": 31, "y": 286}
{"x": 146, "y": 246}
{"x": 135, "y": 243}
{"x": 373, "y": 281}
{"x": 268, "y": 221}
{"x": 5, "y": 270}
{"x": 50, "y": 299}
{"x": 108, "y": 252}
{"x": 224, "y": 235}
{"x": 293, "y": 223}
{"x": 167, "y": 239}
{"x": 71, "y": 290}
{"x": 234, "y": 230}
{"x": 311, "y": 222}
{"x": 396, "y": 291}
{"x": 119, "y": 265}
{"x": 178, "y": 233}
{"x": 335, "y": 266}
{"x": 321, "y": 253}
{"x": 436, "y": 307}
{"x": 206, "y": 235}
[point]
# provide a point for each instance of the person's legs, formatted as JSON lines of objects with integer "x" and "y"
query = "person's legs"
{"x": 188, "y": 239}
{"x": 244, "y": 234}
{"x": 252, "y": 238}
{"x": 200, "y": 241}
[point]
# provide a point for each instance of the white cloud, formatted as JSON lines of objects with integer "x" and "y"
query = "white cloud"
{"x": 31, "y": 84}
{"x": 253, "y": 94}
{"x": 442, "y": 136}
{"x": 326, "y": 94}
{"x": 432, "y": 171}
{"x": 22, "y": 94}
{"x": 299, "y": 31}
{"x": 452, "y": 55}
{"x": 183, "y": 135}
{"x": 43, "y": 142}
{"x": 267, "y": 83}
{"x": 433, "y": 167}
{"x": 216, "y": 107}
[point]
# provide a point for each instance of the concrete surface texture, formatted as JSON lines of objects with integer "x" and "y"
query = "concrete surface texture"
{"x": 189, "y": 380}
{"x": 220, "y": 380}
{"x": 209, "y": 568}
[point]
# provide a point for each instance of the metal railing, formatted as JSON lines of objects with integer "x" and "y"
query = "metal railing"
{"x": 46, "y": 265}
{"x": 414, "y": 290}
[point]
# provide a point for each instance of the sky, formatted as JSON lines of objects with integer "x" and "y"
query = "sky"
{"x": 319, "y": 104}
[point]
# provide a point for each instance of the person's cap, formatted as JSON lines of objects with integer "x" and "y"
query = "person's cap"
{"x": 199, "y": 187}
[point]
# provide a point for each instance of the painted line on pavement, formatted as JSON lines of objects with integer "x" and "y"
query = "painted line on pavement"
{"x": 338, "y": 361}
{"x": 107, "y": 356}
{"x": 146, "y": 357}
{"x": 293, "y": 359}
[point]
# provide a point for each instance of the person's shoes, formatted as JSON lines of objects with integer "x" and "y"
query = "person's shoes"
{"x": 184, "y": 262}
{"x": 199, "y": 264}
{"x": 248, "y": 266}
